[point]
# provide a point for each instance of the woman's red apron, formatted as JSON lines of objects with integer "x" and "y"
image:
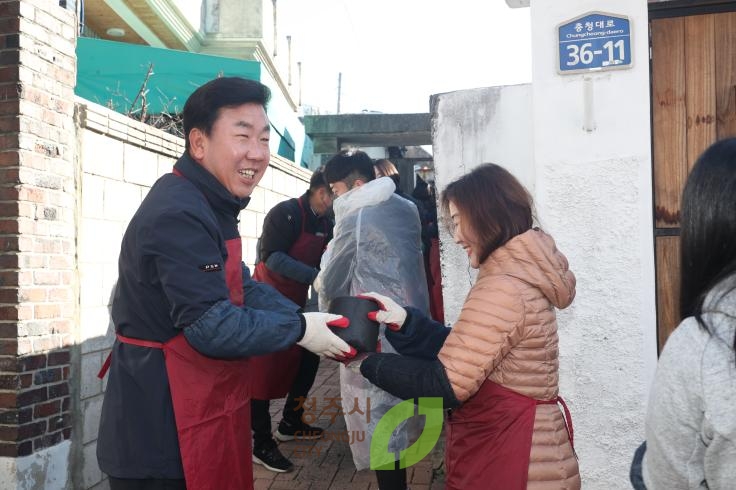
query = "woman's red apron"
{"x": 211, "y": 402}
{"x": 489, "y": 439}
{"x": 275, "y": 372}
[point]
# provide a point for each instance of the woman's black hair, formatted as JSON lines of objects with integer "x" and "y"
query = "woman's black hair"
{"x": 708, "y": 229}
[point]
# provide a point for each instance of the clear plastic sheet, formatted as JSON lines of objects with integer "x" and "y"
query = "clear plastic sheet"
{"x": 376, "y": 247}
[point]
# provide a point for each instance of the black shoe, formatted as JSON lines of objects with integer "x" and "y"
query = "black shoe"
{"x": 271, "y": 458}
{"x": 299, "y": 431}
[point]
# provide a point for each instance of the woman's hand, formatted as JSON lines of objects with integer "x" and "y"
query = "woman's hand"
{"x": 390, "y": 313}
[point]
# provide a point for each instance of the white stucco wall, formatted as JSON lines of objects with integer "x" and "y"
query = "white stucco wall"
{"x": 470, "y": 127}
{"x": 593, "y": 192}
{"x": 44, "y": 469}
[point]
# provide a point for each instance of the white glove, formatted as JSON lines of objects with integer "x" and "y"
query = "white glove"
{"x": 318, "y": 338}
{"x": 390, "y": 313}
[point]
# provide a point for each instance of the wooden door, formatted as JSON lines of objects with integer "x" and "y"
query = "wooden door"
{"x": 693, "y": 105}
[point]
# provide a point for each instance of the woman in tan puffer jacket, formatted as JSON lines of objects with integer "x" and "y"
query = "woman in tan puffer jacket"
{"x": 497, "y": 367}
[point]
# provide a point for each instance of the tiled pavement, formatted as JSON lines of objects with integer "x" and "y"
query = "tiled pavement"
{"x": 327, "y": 464}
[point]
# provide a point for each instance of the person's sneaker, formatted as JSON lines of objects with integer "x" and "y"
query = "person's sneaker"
{"x": 271, "y": 458}
{"x": 300, "y": 431}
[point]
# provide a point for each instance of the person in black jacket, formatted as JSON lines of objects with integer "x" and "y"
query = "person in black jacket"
{"x": 295, "y": 234}
{"x": 187, "y": 314}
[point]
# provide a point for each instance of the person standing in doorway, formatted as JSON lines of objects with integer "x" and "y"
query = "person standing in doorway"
{"x": 295, "y": 234}
{"x": 424, "y": 193}
{"x": 386, "y": 168}
{"x": 187, "y": 315}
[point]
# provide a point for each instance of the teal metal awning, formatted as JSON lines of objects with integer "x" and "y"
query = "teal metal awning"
{"x": 112, "y": 74}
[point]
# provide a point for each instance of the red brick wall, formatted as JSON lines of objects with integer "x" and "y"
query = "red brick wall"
{"x": 34, "y": 396}
{"x": 38, "y": 298}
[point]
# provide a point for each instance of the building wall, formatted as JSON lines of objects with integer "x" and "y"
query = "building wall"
{"x": 231, "y": 18}
{"x": 593, "y": 194}
{"x": 192, "y": 11}
{"x": 119, "y": 160}
{"x": 470, "y": 127}
{"x": 37, "y": 244}
{"x": 594, "y": 191}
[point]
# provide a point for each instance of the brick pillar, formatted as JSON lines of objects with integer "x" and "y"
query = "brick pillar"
{"x": 38, "y": 299}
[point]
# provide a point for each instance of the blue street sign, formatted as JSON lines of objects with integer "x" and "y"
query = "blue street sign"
{"x": 595, "y": 41}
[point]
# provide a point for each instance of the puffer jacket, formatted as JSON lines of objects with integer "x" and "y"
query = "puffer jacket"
{"x": 507, "y": 333}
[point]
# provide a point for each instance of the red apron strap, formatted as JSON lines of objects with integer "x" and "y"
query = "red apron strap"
{"x": 140, "y": 343}
{"x": 105, "y": 366}
{"x": 568, "y": 420}
{"x": 127, "y": 340}
{"x": 234, "y": 270}
{"x": 176, "y": 172}
{"x": 568, "y": 417}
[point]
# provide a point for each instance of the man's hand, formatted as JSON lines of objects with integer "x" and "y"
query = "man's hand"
{"x": 318, "y": 338}
{"x": 390, "y": 313}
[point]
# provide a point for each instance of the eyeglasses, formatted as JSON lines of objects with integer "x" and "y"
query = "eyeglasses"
{"x": 452, "y": 227}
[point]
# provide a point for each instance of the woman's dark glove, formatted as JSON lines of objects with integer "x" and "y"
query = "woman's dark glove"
{"x": 408, "y": 377}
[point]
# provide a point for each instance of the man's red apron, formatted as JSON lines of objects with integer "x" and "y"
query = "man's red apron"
{"x": 434, "y": 281}
{"x": 276, "y": 372}
{"x": 211, "y": 402}
{"x": 489, "y": 439}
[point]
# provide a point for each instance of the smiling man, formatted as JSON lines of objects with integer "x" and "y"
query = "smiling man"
{"x": 187, "y": 315}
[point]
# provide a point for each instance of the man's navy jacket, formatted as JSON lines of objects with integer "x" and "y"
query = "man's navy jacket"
{"x": 172, "y": 277}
